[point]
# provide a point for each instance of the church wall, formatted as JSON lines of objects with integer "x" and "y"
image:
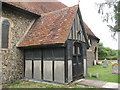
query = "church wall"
{"x": 13, "y": 58}
{"x": 90, "y": 52}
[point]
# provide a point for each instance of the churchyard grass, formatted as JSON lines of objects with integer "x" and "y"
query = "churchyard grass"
{"x": 28, "y": 84}
{"x": 34, "y": 85}
{"x": 105, "y": 73}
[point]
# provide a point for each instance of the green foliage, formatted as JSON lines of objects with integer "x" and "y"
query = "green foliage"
{"x": 111, "y": 14}
{"x": 118, "y": 54}
{"x": 105, "y": 52}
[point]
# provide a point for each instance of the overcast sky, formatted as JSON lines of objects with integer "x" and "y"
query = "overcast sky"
{"x": 94, "y": 21}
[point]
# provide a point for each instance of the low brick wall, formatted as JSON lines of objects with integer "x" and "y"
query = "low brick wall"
{"x": 108, "y": 60}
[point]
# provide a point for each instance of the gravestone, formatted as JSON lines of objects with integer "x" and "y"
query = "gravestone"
{"x": 105, "y": 63}
{"x": 115, "y": 68}
{"x": 109, "y": 61}
{"x": 90, "y": 75}
{"x": 94, "y": 62}
{"x": 97, "y": 75}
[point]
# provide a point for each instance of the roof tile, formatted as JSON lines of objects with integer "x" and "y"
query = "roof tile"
{"x": 38, "y": 7}
{"x": 50, "y": 28}
{"x": 88, "y": 30}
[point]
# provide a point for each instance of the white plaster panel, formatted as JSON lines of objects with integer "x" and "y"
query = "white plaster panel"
{"x": 37, "y": 69}
{"x": 69, "y": 70}
{"x": 85, "y": 68}
{"x": 47, "y": 70}
{"x": 59, "y": 73}
{"x": 28, "y": 69}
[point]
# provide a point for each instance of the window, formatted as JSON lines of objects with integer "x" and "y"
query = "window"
{"x": 5, "y": 33}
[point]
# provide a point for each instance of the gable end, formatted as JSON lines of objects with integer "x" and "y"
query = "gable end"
{"x": 77, "y": 30}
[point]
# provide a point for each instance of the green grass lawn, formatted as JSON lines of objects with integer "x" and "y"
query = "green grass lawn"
{"x": 105, "y": 74}
{"x": 28, "y": 84}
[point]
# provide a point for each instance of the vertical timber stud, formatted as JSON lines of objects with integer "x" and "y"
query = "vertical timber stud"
{"x": 82, "y": 26}
{"x": 0, "y": 9}
{"x": 72, "y": 32}
{"x": 66, "y": 64}
{"x": 71, "y": 44}
{"x": 32, "y": 64}
{"x": 53, "y": 62}
{"x": 72, "y": 51}
{"x": 42, "y": 63}
{"x": 74, "y": 29}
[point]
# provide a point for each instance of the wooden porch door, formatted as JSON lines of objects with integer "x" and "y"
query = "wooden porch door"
{"x": 77, "y": 61}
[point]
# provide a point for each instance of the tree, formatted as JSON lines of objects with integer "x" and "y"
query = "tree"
{"x": 105, "y": 52}
{"x": 110, "y": 11}
{"x": 101, "y": 52}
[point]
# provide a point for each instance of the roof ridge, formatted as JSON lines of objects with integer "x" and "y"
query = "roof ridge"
{"x": 37, "y": 7}
{"x": 57, "y": 11}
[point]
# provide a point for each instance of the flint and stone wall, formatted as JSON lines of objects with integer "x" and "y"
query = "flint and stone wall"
{"x": 12, "y": 58}
{"x": 91, "y": 54}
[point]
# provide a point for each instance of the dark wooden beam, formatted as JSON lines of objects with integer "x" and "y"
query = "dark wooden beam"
{"x": 82, "y": 26}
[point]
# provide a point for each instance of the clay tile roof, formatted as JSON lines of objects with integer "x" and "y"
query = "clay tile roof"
{"x": 88, "y": 30}
{"x": 38, "y": 7}
{"x": 50, "y": 28}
